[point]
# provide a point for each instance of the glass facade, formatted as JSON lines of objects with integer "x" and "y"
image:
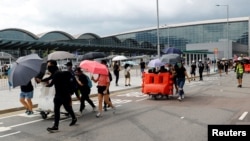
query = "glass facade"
{"x": 20, "y": 42}
{"x": 203, "y": 33}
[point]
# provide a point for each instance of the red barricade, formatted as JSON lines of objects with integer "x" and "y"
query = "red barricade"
{"x": 161, "y": 83}
{"x": 247, "y": 67}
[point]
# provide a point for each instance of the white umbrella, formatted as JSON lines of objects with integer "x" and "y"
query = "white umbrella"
{"x": 170, "y": 58}
{"x": 59, "y": 55}
{"x": 119, "y": 57}
{"x": 24, "y": 69}
{"x": 155, "y": 63}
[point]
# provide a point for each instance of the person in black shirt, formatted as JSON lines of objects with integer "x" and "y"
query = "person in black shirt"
{"x": 70, "y": 69}
{"x": 116, "y": 70}
{"x": 181, "y": 73}
{"x": 201, "y": 68}
{"x": 142, "y": 66}
{"x": 61, "y": 81}
{"x": 82, "y": 82}
{"x": 27, "y": 93}
{"x": 193, "y": 70}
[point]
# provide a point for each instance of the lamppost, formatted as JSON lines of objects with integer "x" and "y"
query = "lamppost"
{"x": 168, "y": 36}
{"x": 158, "y": 39}
{"x": 227, "y": 6}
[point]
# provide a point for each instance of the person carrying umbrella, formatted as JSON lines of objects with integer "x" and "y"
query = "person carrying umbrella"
{"x": 116, "y": 69}
{"x": 103, "y": 83}
{"x": 25, "y": 97}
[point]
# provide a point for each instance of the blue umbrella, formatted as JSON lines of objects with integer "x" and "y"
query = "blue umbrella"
{"x": 171, "y": 50}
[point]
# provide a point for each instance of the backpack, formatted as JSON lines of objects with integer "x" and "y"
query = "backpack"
{"x": 89, "y": 81}
{"x": 72, "y": 84}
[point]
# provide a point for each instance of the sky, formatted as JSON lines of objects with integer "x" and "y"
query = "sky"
{"x": 108, "y": 17}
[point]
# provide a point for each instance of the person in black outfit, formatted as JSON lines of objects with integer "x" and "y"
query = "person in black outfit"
{"x": 201, "y": 68}
{"x": 142, "y": 66}
{"x": 116, "y": 69}
{"x": 61, "y": 81}
{"x": 193, "y": 70}
{"x": 84, "y": 88}
{"x": 70, "y": 69}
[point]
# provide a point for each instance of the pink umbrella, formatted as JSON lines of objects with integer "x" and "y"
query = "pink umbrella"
{"x": 94, "y": 67}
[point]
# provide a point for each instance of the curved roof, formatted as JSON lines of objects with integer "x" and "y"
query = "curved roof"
{"x": 88, "y": 36}
{"x": 16, "y": 33}
{"x": 55, "y": 36}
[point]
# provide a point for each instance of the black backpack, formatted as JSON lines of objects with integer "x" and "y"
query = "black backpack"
{"x": 72, "y": 84}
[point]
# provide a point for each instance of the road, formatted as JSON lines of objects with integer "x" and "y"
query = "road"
{"x": 216, "y": 100}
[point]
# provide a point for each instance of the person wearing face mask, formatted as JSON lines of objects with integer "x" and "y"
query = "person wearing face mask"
{"x": 70, "y": 69}
{"x": 181, "y": 75}
{"x": 51, "y": 69}
{"x": 62, "y": 82}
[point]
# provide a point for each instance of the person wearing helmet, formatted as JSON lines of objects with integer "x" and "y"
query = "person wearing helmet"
{"x": 201, "y": 68}
{"x": 193, "y": 70}
{"x": 239, "y": 69}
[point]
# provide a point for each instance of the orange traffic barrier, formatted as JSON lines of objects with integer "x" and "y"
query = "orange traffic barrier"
{"x": 161, "y": 83}
{"x": 247, "y": 67}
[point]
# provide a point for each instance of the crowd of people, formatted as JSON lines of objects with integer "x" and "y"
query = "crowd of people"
{"x": 62, "y": 80}
{"x": 66, "y": 83}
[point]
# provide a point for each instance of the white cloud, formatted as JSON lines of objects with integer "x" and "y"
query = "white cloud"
{"x": 105, "y": 17}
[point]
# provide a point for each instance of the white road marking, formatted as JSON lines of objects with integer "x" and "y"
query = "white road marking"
{"x": 10, "y": 134}
{"x": 2, "y": 129}
{"x": 141, "y": 99}
{"x": 25, "y": 123}
{"x": 243, "y": 116}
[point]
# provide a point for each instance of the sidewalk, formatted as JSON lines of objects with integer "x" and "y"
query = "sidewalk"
{"x": 10, "y": 98}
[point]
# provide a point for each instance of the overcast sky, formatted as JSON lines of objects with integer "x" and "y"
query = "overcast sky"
{"x": 106, "y": 17}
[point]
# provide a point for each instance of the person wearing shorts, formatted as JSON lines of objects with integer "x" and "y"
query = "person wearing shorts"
{"x": 26, "y": 96}
{"x": 239, "y": 69}
{"x": 103, "y": 94}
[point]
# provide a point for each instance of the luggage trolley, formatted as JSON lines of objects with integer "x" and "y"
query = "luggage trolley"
{"x": 46, "y": 104}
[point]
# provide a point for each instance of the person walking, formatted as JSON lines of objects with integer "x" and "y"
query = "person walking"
{"x": 239, "y": 69}
{"x": 70, "y": 69}
{"x": 201, "y": 68}
{"x": 142, "y": 66}
{"x": 116, "y": 70}
{"x": 61, "y": 81}
{"x": 226, "y": 65}
{"x": 207, "y": 67}
{"x": 26, "y": 96}
{"x": 103, "y": 83}
{"x": 84, "y": 88}
{"x": 127, "y": 74}
{"x": 181, "y": 73}
{"x": 105, "y": 105}
{"x": 193, "y": 70}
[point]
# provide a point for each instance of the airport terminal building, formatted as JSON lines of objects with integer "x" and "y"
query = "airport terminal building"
{"x": 198, "y": 40}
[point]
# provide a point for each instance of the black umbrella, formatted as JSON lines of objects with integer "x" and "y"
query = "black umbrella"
{"x": 93, "y": 55}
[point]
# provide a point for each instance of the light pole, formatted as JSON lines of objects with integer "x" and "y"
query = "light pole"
{"x": 227, "y": 6}
{"x": 168, "y": 37}
{"x": 158, "y": 39}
